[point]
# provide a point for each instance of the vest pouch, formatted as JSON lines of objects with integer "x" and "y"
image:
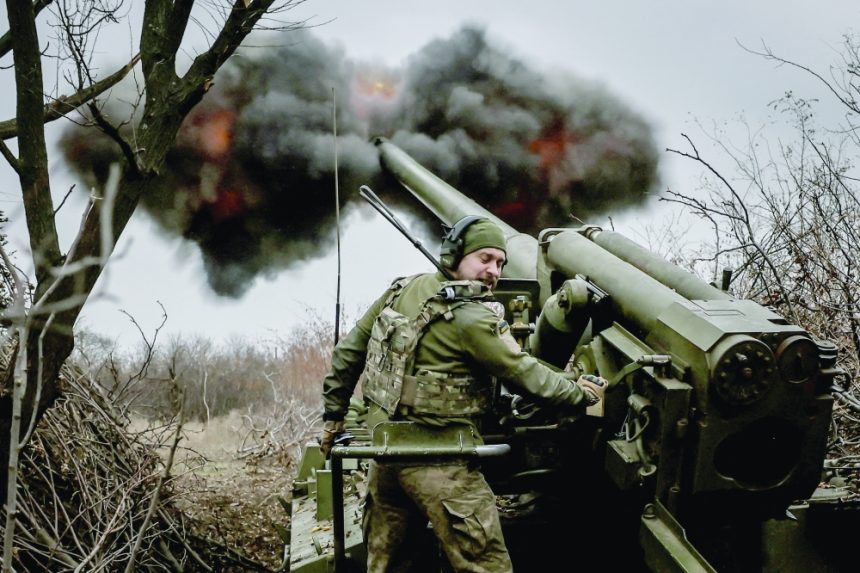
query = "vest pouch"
{"x": 387, "y": 379}
{"x": 447, "y": 395}
{"x": 390, "y": 353}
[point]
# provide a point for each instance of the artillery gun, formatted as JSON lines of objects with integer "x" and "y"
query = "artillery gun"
{"x": 706, "y": 454}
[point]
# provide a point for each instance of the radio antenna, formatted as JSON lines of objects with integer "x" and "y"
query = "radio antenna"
{"x": 336, "y": 216}
{"x": 377, "y": 203}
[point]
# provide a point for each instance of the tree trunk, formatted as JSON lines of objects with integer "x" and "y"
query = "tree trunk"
{"x": 169, "y": 99}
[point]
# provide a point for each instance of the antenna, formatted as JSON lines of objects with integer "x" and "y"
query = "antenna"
{"x": 336, "y": 217}
{"x": 377, "y": 203}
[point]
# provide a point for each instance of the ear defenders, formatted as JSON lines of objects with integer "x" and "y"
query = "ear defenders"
{"x": 452, "y": 244}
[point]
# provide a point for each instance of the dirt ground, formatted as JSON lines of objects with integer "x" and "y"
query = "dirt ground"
{"x": 234, "y": 497}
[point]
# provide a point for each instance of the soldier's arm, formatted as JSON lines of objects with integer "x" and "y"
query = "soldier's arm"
{"x": 498, "y": 353}
{"x": 347, "y": 363}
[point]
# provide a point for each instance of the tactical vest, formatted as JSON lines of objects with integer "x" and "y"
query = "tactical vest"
{"x": 388, "y": 378}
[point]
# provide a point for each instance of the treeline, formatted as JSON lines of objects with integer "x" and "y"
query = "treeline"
{"x": 213, "y": 379}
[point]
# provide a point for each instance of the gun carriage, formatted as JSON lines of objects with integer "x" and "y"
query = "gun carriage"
{"x": 704, "y": 455}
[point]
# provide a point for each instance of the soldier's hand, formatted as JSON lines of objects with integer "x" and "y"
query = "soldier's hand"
{"x": 594, "y": 388}
{"x": 331, "y": 430}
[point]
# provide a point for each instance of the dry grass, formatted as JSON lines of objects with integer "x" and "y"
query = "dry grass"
{"x": 232, "y": 499}
{"x": 240, "y": 411}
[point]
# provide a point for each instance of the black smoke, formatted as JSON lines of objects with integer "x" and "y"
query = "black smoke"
{"x": 251, "y": 177}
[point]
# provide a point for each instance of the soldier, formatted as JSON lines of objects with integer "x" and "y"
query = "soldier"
{"x": 425, "y": 352}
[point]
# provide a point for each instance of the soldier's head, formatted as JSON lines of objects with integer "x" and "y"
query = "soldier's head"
{"x": 475, "y": 249}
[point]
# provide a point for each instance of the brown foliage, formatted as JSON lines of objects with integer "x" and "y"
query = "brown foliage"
{"x": 92, "y": 468}
{"x": 785, "y": 216}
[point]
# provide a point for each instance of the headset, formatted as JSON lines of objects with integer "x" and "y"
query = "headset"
{"x": 452, "y": 244}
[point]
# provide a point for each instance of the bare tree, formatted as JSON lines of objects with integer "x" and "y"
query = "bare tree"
{"x": 63, "y": 281}
{"x": 786, "y": 217}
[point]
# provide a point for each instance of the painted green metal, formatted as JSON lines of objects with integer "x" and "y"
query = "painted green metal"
{"x": 562, "y": 322}
{"x": 666, "y": 546}
{"x": 635, "y": 296}
{"x": 403, "y": 441}
{"x": 716, "y": 420}
{"x": 311, "y": 545}
{"x": 312, "y": 459}
{"x": 684, "y": 283}
{"x": 730, "y": 351}
{"x": 325, "y": 502}
{"x": 449, "y": 205}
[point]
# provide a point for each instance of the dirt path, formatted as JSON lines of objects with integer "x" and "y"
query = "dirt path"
{"x": 234, "y": 501}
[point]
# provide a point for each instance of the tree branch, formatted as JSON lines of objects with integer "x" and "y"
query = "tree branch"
{"x": 242, "y": 19}
{"x": 63, "y": 105}
{"x": 159, "y": 61}
{"x": 769, "y": 55}
{"x": 168, "y": 100}
{"x": 177, "y": 23}
{"x": 9, "y": 157}
{"x": 113, "y": 132}
{"x": 6, "y": 39}
{"x": 32, "y": 149}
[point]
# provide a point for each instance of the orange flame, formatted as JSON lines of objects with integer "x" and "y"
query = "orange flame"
{"x": 510, "y": 209}
{"x": 550, "y": 148}
{"x": 374, "y": 87}
{"x": 229, "y": 203}
{"x": 373, "y": 91}
{"x": 212, "y": 133}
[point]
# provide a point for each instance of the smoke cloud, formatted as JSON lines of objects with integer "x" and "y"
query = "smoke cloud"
{"x": 251, "y": 179}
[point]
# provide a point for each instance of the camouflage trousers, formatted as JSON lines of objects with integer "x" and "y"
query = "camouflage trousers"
{"x": 459, "y": 505}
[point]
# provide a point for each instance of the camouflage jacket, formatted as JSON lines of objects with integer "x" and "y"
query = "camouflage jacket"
{"x": 471, "y": 343}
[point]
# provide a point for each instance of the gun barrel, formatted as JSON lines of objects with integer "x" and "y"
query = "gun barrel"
{"x": 450, "y": 205}
{"x": 641, "y": 283}
{"x": 682, "y": 282}
{"x": 637, "y": 296}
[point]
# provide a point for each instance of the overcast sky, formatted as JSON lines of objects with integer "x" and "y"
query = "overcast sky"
{"x": 675, "y": 62}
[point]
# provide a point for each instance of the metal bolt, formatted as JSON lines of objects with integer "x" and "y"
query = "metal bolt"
{"x": 649, "y": 512}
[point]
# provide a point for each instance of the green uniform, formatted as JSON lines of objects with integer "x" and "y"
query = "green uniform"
{"x": 471, "y": 343}
{"x": 468, "y": 342}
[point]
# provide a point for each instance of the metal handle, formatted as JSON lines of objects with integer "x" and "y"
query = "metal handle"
{"x": 338, "y": 453}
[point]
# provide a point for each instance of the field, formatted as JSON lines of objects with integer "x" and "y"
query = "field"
{"x": 235, "y": 499}
{"x": 174, "y": 457}
{"x": 179, "y": 456}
